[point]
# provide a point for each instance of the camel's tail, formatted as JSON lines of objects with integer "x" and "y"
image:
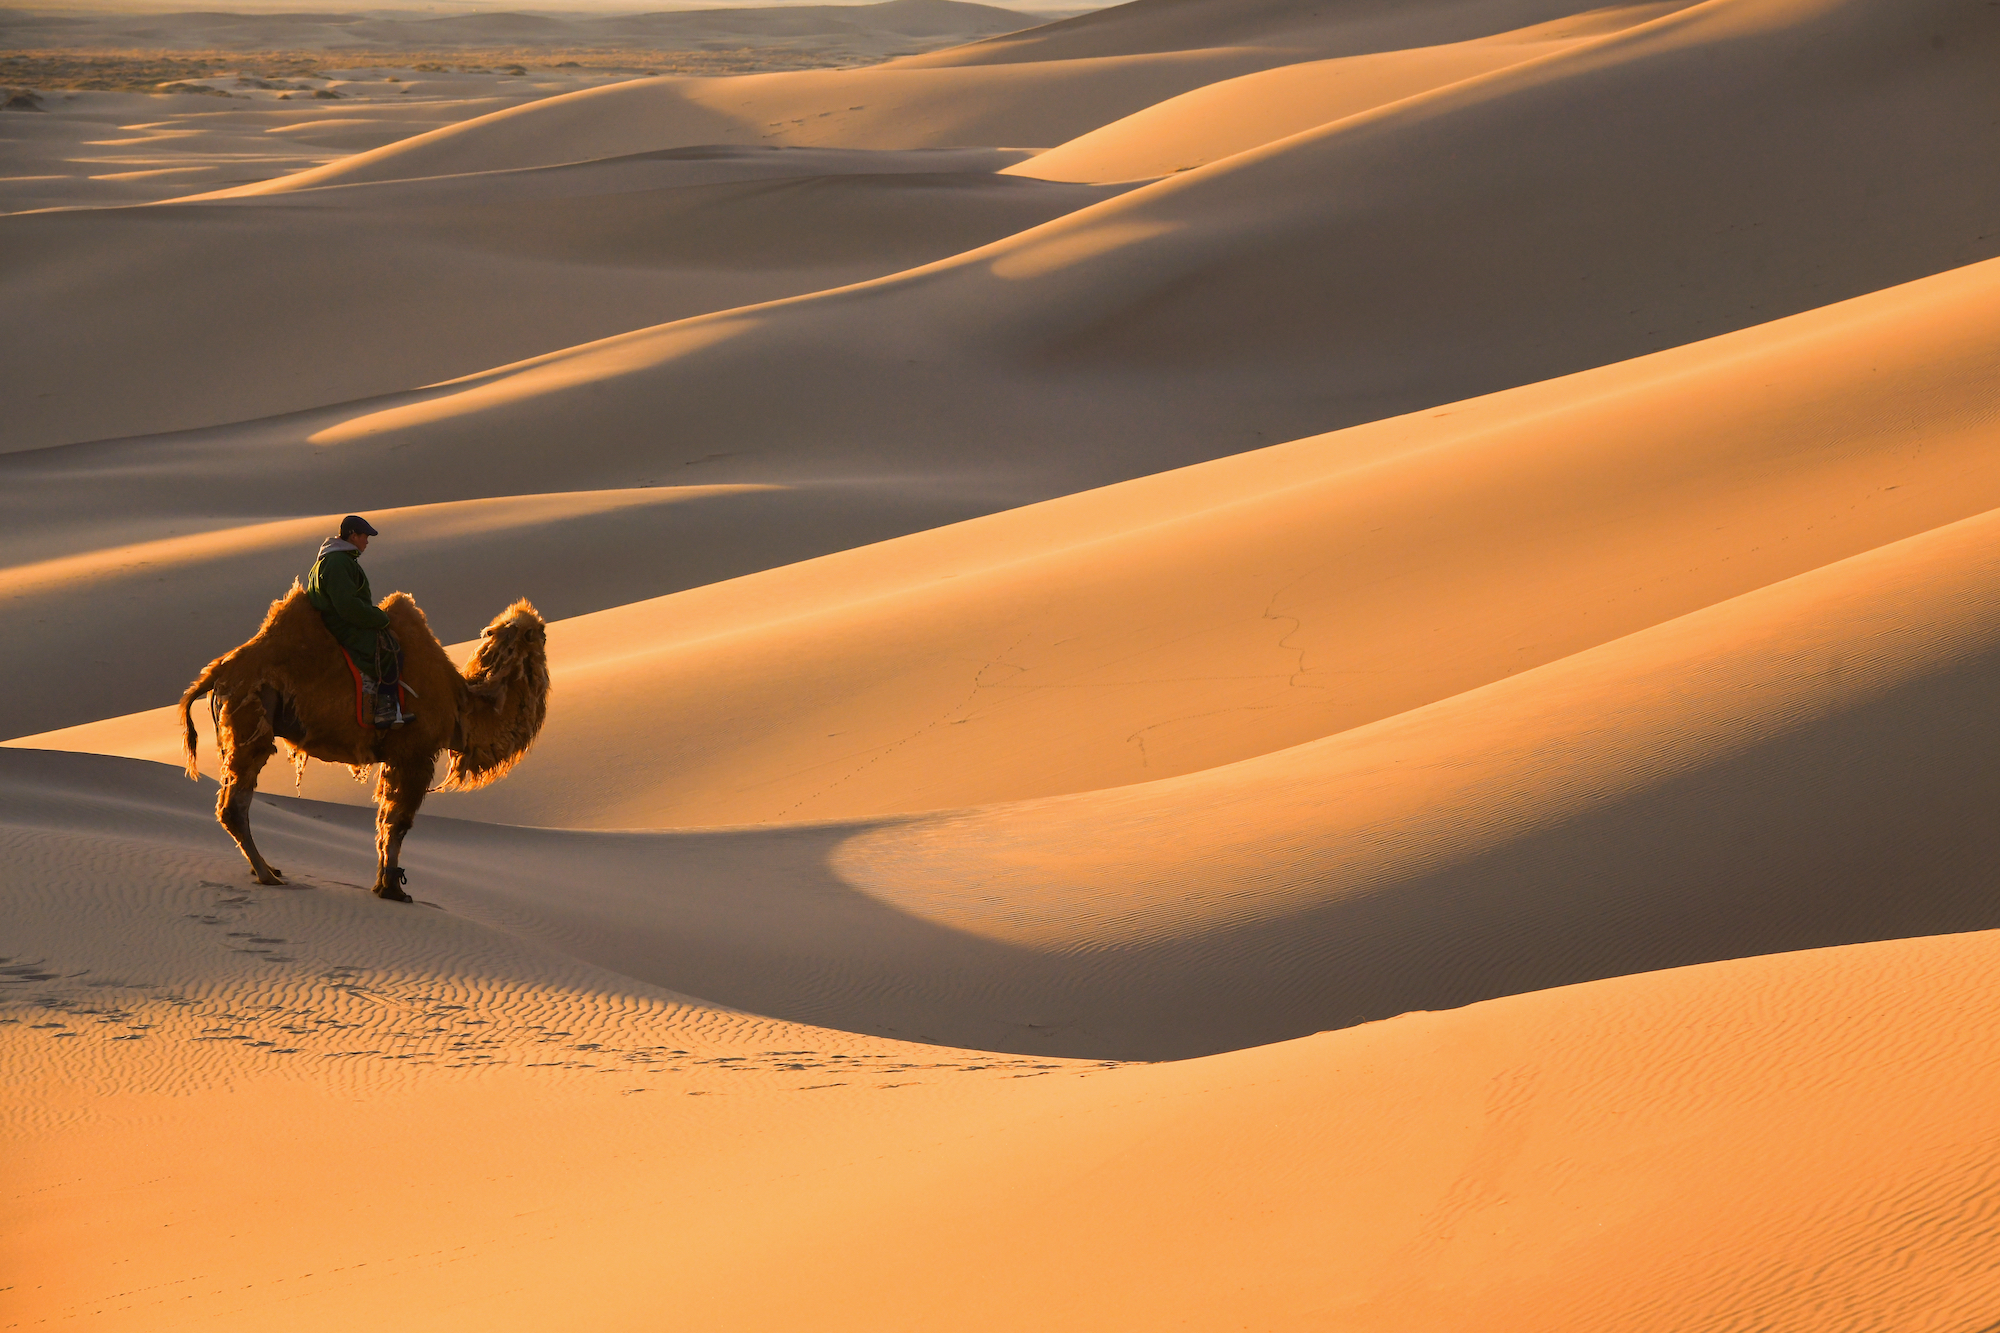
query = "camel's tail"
{"x": 202, "y": 685}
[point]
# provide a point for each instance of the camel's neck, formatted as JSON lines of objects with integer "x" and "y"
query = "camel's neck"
{"x": 501, "y": 717}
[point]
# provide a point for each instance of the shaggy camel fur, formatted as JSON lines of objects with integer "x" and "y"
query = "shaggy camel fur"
{"x": 291, "y": 683}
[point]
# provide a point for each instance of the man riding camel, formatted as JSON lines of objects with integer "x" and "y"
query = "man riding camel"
{"x": 338, "y": 589}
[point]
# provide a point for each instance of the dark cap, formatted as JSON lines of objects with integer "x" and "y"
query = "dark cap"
{"x": 356, "y": 523}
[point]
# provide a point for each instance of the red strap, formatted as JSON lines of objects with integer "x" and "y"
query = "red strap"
{"x": 360, "y": 712}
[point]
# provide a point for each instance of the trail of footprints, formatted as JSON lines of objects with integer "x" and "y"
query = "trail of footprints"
{"x": 335, "y": 1012}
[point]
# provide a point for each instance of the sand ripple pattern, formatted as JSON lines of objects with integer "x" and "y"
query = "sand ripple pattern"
{"x": 191, "y": 981}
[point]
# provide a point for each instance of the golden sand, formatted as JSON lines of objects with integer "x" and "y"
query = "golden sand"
{"x": 1229, "y": 664}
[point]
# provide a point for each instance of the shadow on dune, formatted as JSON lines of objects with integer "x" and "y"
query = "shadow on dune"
{"x": 1877, "y": 825}
{"x": 1872, "y": 824}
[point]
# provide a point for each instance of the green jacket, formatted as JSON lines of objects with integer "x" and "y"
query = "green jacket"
{"x": 338, "y": 589}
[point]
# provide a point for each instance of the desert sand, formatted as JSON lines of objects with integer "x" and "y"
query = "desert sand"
{"x": 831, "y": 34}
{"x": 1225, "y": 664}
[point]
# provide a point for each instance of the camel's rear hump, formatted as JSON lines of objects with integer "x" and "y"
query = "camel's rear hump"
{"x": 289, "y": 626}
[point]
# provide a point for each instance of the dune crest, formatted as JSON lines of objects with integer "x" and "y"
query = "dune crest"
{"x": 1233, "y": 115}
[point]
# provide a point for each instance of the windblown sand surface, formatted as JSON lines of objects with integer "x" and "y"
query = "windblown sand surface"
{"x": 1229, "y": 664}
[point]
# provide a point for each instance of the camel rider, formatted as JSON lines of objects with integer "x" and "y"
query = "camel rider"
{"x": 338, "y": 589}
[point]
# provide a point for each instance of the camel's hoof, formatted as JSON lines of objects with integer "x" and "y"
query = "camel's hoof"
{"x": 275, "y": 876}
{"x": 390, "y": 893}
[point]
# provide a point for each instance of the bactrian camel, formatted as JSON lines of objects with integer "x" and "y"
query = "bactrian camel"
{"x": 292, "y": 683}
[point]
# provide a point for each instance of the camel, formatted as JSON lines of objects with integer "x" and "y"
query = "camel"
{"x": 292, "y": 683}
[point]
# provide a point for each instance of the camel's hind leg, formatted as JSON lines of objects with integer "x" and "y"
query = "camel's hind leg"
{"x": 247, "y": 744}
{"x": 397, "y": 796}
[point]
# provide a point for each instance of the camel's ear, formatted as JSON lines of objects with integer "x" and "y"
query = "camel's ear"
{"x": 518, "y": 634}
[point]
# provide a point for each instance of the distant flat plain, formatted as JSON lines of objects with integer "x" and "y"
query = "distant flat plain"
{"x": 203, "y": 99}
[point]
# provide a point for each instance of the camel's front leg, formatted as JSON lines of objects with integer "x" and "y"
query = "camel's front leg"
{"x": 397, "y": 796}
{"x": 246, "y": 744}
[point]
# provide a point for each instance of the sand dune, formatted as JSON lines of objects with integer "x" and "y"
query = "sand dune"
{"x": 1461, "y": 631}
{"x": 1358, "y": 27}
{"x": 1591, "y": 1158}
{"x": 1175, "y": 622}
{"x": 852, "y": 31}
{"x": 460, "y": 278}
{"x": 1235, "y": 115}
{"x": 1452, "y": 1170}
{"x": 1184, "y": 321}
{"x": 1134, "y": 298}
{"x": 96, "y": 149}
{"x": 473, "y": 557}
{"x": 882, "y": 107}
{"x": 1040, "y": 101}
{"x": 1800, "y": 766}
{"x": 1196, "y": 618}
{"x": 1231, "y": 116}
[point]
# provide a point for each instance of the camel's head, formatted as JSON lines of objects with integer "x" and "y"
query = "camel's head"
{"x": 507, "y": 696}
{"x": 514, "y": 647}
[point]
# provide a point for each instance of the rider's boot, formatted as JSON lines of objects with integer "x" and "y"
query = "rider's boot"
{"x": 389, "y": 711}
